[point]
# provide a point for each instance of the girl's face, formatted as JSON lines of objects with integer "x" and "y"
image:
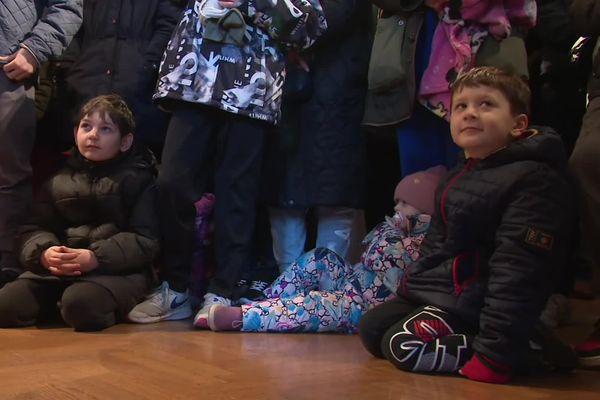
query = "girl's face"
{"x": 98, "y": 138}
{"x": 404, "y": 214}
{"x": 405, "y": 209}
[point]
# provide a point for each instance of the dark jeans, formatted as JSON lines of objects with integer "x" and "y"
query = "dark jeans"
{"x": 17, "y": 135}
{"x": 85, "y": 306}
{"x": 199, "y": 137}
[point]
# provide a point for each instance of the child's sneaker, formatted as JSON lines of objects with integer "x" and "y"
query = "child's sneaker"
{"x": 222, "y": 318}
{"x": 163, "y": 304}
{"x": 589, "y": 351}
{"x": 255, "y": 292}
{"x": 210, "y": 299}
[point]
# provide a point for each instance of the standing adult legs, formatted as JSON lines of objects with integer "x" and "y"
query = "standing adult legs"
{"x": 335, "y": 228}
{"x": 288, "y": 230}
{"x": 17, "y": 135}
{"x": 187, "y": 154}
{"x": 585, "y": 167}
{"x": 237, "y": 183}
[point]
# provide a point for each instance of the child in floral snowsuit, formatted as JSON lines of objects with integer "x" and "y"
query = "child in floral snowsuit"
{"x": 321, "y": 292}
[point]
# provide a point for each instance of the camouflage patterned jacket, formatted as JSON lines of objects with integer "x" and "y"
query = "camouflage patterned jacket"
{"x": 245, "y": 78}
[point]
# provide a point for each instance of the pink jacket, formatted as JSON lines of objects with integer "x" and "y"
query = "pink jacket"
{"x": 456, "y": 42}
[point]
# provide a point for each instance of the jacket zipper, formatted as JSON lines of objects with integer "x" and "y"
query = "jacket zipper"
{"x": 469, "y": 166}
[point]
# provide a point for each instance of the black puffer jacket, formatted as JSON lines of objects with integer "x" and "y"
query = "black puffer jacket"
{"x": 497, "y": 239}
{"x": 586, "y": 22}
{"x": 108, "y": 208}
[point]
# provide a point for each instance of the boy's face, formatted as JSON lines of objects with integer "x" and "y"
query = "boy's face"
{"x": 482, "y": 122}
{"x": 98, "y": 138}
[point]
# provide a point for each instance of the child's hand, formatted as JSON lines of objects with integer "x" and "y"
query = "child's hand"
{"x": 60, "y": 260}
{"x": 230, "y": 3}
{"x": 86, "y": 258}
{"x": 65, "y": 261}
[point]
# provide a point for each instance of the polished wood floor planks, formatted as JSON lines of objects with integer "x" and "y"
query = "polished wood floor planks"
{"x": 172, "y": 361}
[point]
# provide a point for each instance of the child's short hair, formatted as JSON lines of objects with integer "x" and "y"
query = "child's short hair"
{"x": 510, "y": 85}
{"x": 115, "y": 107}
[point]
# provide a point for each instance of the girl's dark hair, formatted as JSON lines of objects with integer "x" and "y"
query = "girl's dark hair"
{"x": 510, "y": 85}
{"x": 115, "y": 107}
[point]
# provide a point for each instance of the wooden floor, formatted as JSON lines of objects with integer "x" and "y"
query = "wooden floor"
{"x": 171, "y": 361}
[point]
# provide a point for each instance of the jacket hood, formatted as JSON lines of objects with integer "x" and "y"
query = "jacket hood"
{"x": 141, "y": 158}
{"x": 541, "y": 144}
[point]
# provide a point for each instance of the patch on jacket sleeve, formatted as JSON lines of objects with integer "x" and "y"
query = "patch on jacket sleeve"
{"x": 539, "y": 238}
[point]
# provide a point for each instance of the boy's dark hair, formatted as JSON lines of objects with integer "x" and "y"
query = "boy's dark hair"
{"x": 115, "y": 107}
{"x": 510, "y": 85}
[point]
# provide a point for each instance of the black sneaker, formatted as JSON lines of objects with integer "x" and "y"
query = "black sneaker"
{"x": 256, "y": 290}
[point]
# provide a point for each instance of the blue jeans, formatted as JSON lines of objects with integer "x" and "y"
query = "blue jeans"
{"x": 288, "y": 229}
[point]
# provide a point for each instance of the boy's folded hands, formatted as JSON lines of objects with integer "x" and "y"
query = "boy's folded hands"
{"x": 66, "y": 261}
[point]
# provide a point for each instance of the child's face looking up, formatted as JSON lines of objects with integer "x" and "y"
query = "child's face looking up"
{"x": 98, "y": 138}
{"x": 482, "y": 122}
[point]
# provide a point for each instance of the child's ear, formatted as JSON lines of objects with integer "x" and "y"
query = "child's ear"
{"x": 126, "y": 142}
{"x": 75, "y": 134}
{"x": 521, "y": 124}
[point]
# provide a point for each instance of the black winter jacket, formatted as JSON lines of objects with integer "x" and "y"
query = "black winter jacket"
{"x": 118, "y": 50}
{"x": 497, "y": 239}
{"x": 586, "y": 22}
{"x": 108, "y": 208}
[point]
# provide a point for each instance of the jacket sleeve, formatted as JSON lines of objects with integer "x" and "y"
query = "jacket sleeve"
{"x": 530, "y": 245}
{"x": 135, "y": 247}
{"x": 586, "y": 17}
{"x": 38, "y": 233}
{"x": 59, "y": 23}
{"x": 165, "y": 20}
{"x": 293, "y": 23}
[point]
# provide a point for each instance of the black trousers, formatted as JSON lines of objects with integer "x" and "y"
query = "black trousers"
{"x": 423, "y": 339}
{"x": 199, "y": 141}
{"x": 584, "y": 165}
{"x": 86, "y": 306}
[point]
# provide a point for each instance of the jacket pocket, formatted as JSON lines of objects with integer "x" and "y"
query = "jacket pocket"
{"x": 386, "y": 69}
{"x": 465, "y": 271}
